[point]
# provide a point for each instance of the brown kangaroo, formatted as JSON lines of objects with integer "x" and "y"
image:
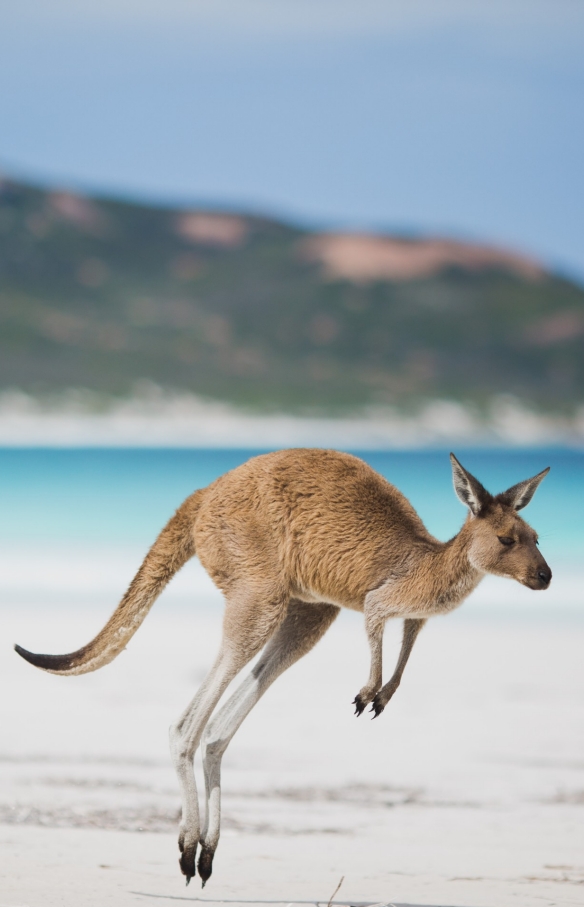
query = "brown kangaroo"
{"x": 290, "y": 538}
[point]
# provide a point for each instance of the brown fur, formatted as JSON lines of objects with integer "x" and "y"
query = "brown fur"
{"x": 290, "y": 537}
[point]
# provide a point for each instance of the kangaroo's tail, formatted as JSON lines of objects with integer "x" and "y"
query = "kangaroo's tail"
{"x": 173, "y": 548}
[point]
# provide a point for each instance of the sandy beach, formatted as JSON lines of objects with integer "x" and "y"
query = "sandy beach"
{"x": 468, "y": 791}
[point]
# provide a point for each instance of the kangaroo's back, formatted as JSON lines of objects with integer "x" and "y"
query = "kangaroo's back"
{"x": 326, "y": 520}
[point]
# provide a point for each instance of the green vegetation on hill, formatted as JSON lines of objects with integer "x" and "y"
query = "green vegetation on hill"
{"x": 99, "y": 294}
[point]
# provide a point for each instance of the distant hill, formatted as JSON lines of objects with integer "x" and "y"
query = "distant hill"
{"x": 100, "y": 294}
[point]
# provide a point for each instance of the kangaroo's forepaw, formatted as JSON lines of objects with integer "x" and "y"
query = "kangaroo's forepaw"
{"x": 377, "y": 706}
{"x": 205, "y": 865}
{"x": 381, "y": 699}
{"x": 363, "y": 698}
{"x": 188, "y": 854}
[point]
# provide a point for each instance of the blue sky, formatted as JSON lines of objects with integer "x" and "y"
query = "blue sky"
{"x": 458, "y": 117}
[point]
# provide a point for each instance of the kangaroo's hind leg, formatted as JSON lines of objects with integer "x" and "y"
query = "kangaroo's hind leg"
{"x": 250, "y": 620}
{"x": 303, "y": 627}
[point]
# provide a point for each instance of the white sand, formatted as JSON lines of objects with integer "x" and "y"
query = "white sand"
{"x": 468, "y": 790}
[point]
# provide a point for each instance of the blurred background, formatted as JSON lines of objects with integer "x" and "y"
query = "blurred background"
{"x": 231, "y": 226}
{"x": 303, "y": 207}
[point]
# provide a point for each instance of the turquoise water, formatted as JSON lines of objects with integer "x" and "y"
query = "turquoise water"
{"x": 124, "y": 496}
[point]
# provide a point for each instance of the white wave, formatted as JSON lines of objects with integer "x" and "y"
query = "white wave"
{"x": 152, "y": 417}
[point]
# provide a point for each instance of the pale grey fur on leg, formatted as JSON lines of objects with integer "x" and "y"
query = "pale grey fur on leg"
{"x": 304, "y": 625}
{"x": 246, "y": 628}
{"x": 184, "y": 739}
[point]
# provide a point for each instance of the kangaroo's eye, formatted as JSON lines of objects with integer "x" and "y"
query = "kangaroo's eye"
{"x": 505, "y": 540}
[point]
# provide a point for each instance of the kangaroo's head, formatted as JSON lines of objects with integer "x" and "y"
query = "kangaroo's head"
{"x": 501, "y": 542}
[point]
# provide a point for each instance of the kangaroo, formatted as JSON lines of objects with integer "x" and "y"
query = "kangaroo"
{"x": 290, "y": 538}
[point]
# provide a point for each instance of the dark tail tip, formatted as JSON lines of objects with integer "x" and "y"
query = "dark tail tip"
{"x": 24, "y": 653}
{"x": 46, "y": 662}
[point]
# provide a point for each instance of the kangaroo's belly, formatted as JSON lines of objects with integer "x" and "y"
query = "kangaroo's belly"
{"x": 313, "y": 597}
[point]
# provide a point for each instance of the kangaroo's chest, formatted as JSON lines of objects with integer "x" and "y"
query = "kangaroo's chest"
{"x": 420, "y": 596}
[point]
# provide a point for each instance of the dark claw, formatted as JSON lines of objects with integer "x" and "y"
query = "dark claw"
{"x": 377, "y": 707}
{"x": 187, "y": 863}
{"x": 359, "y": 705}
{"x": 205, "y": 865}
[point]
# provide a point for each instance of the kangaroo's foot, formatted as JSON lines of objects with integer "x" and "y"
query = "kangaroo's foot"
{"x": 363, "y": 698}
{"x": 381, "y": 698}
{"x": 187, "y": 844}
{"x": 205, "y": 864}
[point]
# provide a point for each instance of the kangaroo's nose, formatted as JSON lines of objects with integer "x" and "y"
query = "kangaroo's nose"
{"x": 545, "y": 576}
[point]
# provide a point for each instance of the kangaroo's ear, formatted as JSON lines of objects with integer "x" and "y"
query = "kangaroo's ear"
{"x": 469, "y": 490}
{"x": 519, "y": 496}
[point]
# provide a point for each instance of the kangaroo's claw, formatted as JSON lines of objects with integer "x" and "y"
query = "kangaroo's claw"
{"x": 377, "y": 707}
{"x": 187, "y": 862}
{"x": 205, "y": 865}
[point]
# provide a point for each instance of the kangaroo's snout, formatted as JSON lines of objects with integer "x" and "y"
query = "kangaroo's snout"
{"x": 539, "y": 579}
{"x": 543, "y": 573}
